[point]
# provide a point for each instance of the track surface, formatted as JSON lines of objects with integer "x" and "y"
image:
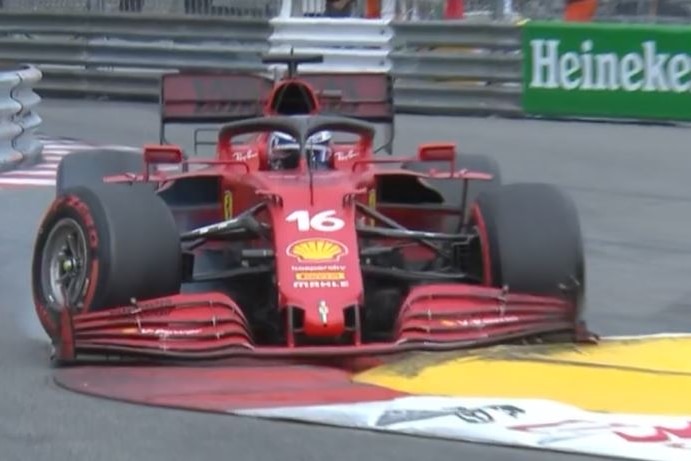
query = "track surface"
{"x": 630, "y": 183}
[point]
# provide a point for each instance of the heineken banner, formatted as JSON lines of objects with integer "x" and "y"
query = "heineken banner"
{"x": 608, "y": 70}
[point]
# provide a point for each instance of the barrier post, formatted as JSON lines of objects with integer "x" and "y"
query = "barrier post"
{"x": 453, "y": 9}
{"x": 373, "y": 9}
{"x": 388, "y": 9}
{"x": 286, "y": 9}
{"x": 580, "y": 10}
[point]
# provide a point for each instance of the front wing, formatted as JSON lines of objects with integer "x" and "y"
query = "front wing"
{"x": 207, "y": 326}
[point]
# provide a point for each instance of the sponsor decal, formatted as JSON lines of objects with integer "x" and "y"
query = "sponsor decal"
{"x": 572, "y": 429}
{"x": 479, "y": 322}
{"x": 320, "y": 275}
{"x": 283, "y": 175}
{"x": 342, "y": 156}
{"x": 321, "y": 284}
{"x": 610, "y": 70}
{"x": 372, "y": 198}
{"x": 646, "y": 69}
{"x": 323, "y": 312}
{"x": 324, "y": 221}
{"x": 243, "y": 156}
{"x": 317, "y": 250}
{"x": 477, "y": 415}
{"x": 319, "y": 268}
{"x": 228, "y": 204}
{"x": 372, "y": 203}
{"x": 162, "y": 332}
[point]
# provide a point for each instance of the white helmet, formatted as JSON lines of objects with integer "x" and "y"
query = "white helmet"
{"x": 284, "y": 151}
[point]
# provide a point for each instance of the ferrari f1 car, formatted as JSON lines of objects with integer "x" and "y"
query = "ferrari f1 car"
{"x": 372, "y": 254}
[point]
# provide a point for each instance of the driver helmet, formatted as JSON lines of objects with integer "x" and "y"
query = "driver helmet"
{"x": 284, "y": 151}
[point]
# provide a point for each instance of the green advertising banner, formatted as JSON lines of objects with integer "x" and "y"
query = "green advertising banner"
{"x": 608, "y": 70}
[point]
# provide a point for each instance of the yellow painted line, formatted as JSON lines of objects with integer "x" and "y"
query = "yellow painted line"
{"x": 648, "y": 375}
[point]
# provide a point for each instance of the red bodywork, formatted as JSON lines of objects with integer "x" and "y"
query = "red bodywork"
{"x": 317, "y": 257}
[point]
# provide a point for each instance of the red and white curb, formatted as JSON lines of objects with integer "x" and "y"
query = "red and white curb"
{"x": 43, "y": 174}
{"x": 527, "y": 423}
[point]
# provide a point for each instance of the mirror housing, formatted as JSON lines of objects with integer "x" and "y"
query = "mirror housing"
{"x": 437, "y": 152}
{"x": 157, "y": 154}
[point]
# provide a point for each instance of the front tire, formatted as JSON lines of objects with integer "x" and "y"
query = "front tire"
{"x": 98, "y": 247}
{"x": 531, "y": 240}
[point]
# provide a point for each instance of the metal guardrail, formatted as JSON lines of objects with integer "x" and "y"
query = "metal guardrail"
{"x": 121, "y": 55}
{"x": 449, "y": 67}
{"x": 18, "y": 120}
{"x": 456, "y": 68}
{"x": 439, "y": 67}
{"x": 247, "y": 8}
{"x": 178, "y": 28}
{"x": 348, "y": 45}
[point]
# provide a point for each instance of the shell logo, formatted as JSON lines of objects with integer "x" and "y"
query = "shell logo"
{"x": 317, "y": 250}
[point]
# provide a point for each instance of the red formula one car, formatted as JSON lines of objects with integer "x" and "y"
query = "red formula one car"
{"x": 339, "y": 253}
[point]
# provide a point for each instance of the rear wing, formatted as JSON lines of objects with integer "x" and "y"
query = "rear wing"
{"x": 195, "y": 97}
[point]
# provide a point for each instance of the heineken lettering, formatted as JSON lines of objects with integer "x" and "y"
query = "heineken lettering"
{"x": 645, "y": 71}
{"x": 611, "y": 70}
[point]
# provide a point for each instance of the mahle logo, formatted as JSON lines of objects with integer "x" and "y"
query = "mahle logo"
{"x": 647, "y": 71}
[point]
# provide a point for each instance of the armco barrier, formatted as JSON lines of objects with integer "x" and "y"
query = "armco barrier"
{"x": 455, "y": 68}
{"x": 123, "y": 56}
{"x": 180, "y": 29}
{"x": 439, "y": 67}
{"x": 347, "y": 44}
{"x": 18, "y": 120}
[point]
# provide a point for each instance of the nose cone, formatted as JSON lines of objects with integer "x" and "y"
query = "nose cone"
{"x": 317, "y": 257}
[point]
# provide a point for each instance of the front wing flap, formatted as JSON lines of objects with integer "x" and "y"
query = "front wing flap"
{"x": 207, "y": 326}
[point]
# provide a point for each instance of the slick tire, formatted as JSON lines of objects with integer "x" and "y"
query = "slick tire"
{"x": 88, "y": 168}
{"x": 530, "y": 240}
{"x": 452, "y": 190}
{"x": 124, "y": 245}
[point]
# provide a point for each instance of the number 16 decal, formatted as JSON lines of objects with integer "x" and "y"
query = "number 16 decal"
{"x": 324, "y": 221}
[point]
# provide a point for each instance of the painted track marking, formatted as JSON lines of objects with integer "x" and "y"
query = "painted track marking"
{"x": 43, "y": 174}
{"x": 644, "y": 375}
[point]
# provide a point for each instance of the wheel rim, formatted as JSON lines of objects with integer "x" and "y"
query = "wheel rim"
{"x": 64, "y": 269}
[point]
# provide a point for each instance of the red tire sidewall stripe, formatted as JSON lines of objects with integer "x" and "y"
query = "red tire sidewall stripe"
{"x": 75, "y": 207}
{"x": 487, "y": 279}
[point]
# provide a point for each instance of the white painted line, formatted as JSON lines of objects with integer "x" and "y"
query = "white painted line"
{"x": 20, "y": 173}
{"x": 26, "y": 182}
{"x": 54, "y": 157}
{"x": 122, "y": 148}
{"x": 78, "y": 147}
{"x": 54, "y": 150}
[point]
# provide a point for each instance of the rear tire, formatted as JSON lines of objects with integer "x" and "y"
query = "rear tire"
{"x": 531, "y": 240}
{"x": 88, "y": 168}
{"x": 117, "y": 243}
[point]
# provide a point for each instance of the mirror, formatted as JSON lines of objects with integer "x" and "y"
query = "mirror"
{"x": 437, "y": 152}
{"x": 156, "y": 154}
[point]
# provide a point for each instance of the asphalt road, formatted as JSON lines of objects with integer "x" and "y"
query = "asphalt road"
{"x": 630, "y": 183}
